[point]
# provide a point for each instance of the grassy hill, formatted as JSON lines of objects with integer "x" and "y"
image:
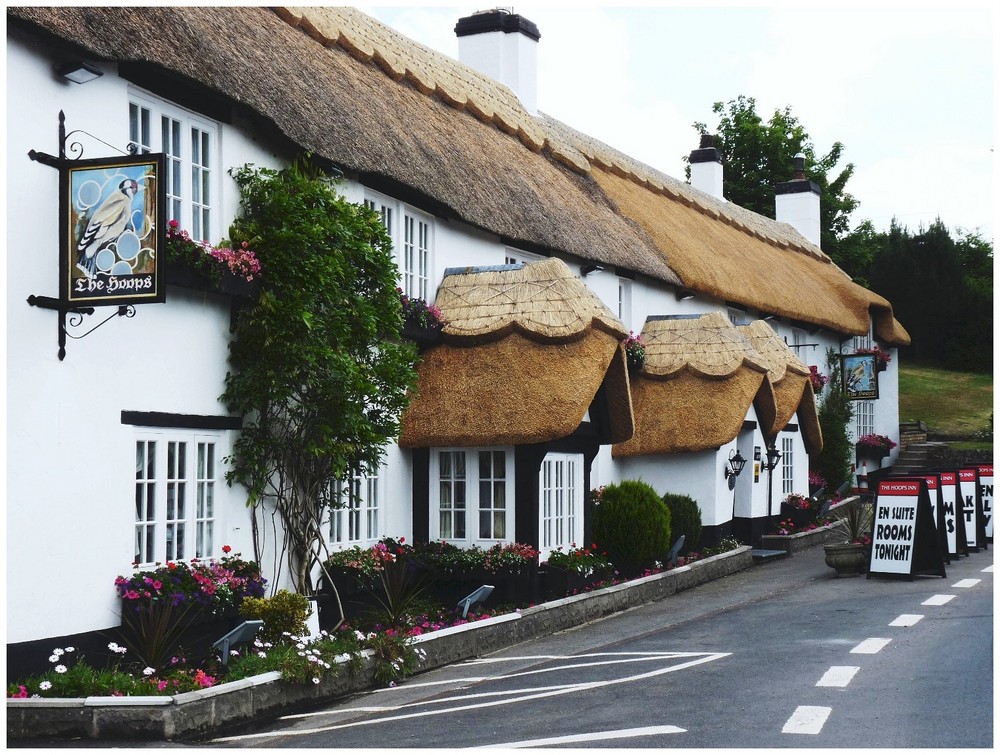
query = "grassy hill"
{"x": 951, "y": 404}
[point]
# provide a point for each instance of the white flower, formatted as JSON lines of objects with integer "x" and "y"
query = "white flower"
{"x": 60, "y": 669}
{"x": 53, "y": 658}
{"x": 359, "y": 635}
{"x": 148, "y": 671}
{"x": 45, "y": 685}
{"x": 57, "y": 652}
{"x": 70, "y": 650}
{"x": 300, "y": 646}
{"x": 315, "y": 680}
{"x": 262, "y": 654}
{"x": 234, "y": 653}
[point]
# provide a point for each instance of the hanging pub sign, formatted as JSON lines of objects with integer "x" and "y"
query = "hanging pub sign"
{"x": 972, "y": 509}
{"x": 859, "y": 376}
{"x": 985, "y": 472}
{"x": 113, "y": 220}
{"x": 954, "y": 522}
{"x": 904, "y": 541}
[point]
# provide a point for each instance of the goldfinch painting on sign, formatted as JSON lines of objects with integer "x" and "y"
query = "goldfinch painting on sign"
{"x": 113, "y": 231}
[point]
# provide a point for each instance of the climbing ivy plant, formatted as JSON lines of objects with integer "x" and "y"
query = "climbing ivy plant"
{"x": 317, "y": 366}
{"x": 835, "y": 413}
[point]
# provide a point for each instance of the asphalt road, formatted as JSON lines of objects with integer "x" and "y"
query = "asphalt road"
{"x": 782, "y": 655}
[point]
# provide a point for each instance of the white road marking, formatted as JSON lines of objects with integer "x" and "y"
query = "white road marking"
{"x": 838, "y": 676}
{"x": 906, "y": 620}
{"x": 597, "y": 736}
{"x": 807, "y": 719}
{"x": 967, "y": 583}
{"x": 938, "y": 600}
{"x": 989, "y": 568}
{"x": 520, "y": 696}
{"x": 871, "y": 646}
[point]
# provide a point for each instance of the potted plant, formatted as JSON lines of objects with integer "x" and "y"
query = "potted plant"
{"x": 874, "y": 446}
{"x": 882, "y": 358}
{"x": 422, "y": 322}
{"x": 798, "y": 509}
{"x": 850, "y": 557}
{"x": 817, "y": 379}
{"x": 635, "y": 352}
{"x": 200, "y": 266}
{"x": 569, "y": 572}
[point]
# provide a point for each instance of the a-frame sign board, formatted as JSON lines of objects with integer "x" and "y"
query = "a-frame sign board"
{"x": 937, "y": 512}
{"x": 954, "y": 522}
{"x": 972, "y": 508}
{"x": 904, "y": 539}
{"x": 985, "y": 472}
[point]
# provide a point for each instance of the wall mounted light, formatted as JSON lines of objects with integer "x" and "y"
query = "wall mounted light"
{"x": 591, "y": 268}
{"x": 683, "y": 294}
{"x": 79, "y": 72}
{"x": 773, "y": 457}
{"x": 733, "y": 468}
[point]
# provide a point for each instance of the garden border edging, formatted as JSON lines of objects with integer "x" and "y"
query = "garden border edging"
{"x": 227, "y": 706}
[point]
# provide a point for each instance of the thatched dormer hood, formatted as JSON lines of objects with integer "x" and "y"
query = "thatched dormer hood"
{"x": 527, "y": 351}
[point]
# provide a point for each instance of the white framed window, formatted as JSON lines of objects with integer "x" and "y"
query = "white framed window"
{"x": 864, "y": 418}
{"x": 516, "y": 257}
{"x": 625, "y": 300}
{"x": 787, "y": 466}
{"x": 356, "y": 519}
{"x": 412, "y": 241}
{"x": 176, "y": 480}
{"x": 560, "y": 502}
{"x": 471, "y": 501}
{"x": 190, "y": 143}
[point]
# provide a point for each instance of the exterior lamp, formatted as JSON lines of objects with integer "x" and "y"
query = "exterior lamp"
{"x": 591, "y": 268}
{"x": 79, "y": 72}
{"x": 773, "y": 457}
{"x": 732, "y": 470}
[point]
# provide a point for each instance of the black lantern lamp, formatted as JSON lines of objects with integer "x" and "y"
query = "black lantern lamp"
{"x": 733, "y": 468}
{"x": 773, "y": 457}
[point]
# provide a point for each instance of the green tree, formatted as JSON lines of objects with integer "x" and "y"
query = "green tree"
{"x": 942, "y": 291}
{"x": 319, "y": 371}
{"x": 759, "y": 154}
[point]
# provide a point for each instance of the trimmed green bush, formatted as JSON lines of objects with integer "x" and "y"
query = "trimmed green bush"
{"x": 685, "y": 519}
{"x": 632, "y": 525}
{"x": 283, "y": 612}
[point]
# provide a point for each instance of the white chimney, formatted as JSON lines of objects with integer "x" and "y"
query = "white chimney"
{"x": 503, "y": 46}
{"x": 796, "y": 202}
{"x": 706, "y": 167}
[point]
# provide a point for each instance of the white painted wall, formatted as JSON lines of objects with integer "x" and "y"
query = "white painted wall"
{"x": 70, "y": 487}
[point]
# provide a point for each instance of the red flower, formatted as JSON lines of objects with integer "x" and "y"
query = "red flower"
{"x": 226, "y": 549}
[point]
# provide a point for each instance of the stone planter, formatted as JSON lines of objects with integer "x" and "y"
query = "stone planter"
{"x": 555, "y": 583}
{"x": 847, "y": 559}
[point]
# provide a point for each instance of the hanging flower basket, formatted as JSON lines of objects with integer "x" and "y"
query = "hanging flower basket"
{"x": 422, "y": 335}
{"x": 874, "y": 446}
{"x": 882, "y": 358}
{"x": 635, "y": 352}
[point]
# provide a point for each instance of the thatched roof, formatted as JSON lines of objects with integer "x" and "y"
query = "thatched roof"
{"x": 524, "y": 354}
{"x": 396, "y": 114}
{"x": 347, "y": 88}
{"x": 789, "y": 379}
{"x": 700, "y": 378}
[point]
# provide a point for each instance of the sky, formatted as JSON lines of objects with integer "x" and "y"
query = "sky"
{"x": 908, "y": 90}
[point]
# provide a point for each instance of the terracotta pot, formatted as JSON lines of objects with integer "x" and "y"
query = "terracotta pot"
{"x": 847, "y": 559}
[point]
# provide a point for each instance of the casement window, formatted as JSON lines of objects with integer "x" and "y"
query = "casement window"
{"x": 864, "y": 418}
{"x": 517, "y": 257}
{"x": 177, "y": 476}
{"x": 190, "y": 144}
{"x": 560, "y": 502}
{"x": 625, "y": 300}
{"x": 356, "y": 518}
{"x": 472, "y": 495}
{"x": 787, "y": 466}
{"x": 412, "y": 240}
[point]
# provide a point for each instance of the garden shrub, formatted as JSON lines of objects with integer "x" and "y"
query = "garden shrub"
{"x": 685, "y": 519}
{"x": 632, "y": 525}
{"x": 284, "y": 612}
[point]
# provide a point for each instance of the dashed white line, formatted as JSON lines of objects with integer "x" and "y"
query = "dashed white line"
{"x": 967, "y": 583}
{"x": 989, "y": 568}
{"x": 938, "y": 600}
{"x": 597, "y": 736}
{"x": 838, "y": 676}
{"x": 871, "y": 646}
{"x": 807, "y": 719}
{"x": 906, "y": 620}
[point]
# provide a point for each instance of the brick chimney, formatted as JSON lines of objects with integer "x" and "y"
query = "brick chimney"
{"x": 796, "y": 202}
{"x": 503, "y": 46}
{"x": 706, "y": 167}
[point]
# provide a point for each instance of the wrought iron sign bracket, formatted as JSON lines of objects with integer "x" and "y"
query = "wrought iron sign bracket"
{"x": 71, "y": 314}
